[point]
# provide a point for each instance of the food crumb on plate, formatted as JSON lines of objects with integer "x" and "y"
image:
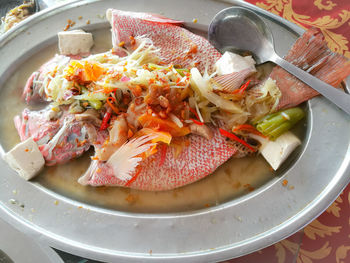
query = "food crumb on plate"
{"x": 13, "y": 201}
{"x": 88, "y": 22}
{"x": 284, "y": 182}
{"x": 249, "y": 187}
{"x": 70, "y": 23}
{"x": 56, "y": 202}
{"x": 195, "y": 20}
{"x": 239, "y": 218}
{"x": 236, "y": 185}
{"x": 131, "y": 198}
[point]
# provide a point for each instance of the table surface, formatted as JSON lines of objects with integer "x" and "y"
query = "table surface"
{"x": 327, "y": 238}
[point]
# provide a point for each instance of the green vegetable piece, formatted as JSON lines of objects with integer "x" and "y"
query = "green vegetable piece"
{"x": 96, "y": 104}
{"x": 275, "y": 124}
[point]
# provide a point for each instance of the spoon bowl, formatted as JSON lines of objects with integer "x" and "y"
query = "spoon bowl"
{"x": 226, "y": 34}
{"x": 238, "y": 30}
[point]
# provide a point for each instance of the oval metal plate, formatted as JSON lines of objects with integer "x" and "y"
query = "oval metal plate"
{"x": 232, "y": 229}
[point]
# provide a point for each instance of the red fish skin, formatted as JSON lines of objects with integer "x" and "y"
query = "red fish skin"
{"x": 199, "y": 159}
{"x": 69, "y": 147}
{"x": 178, "y": 46}
{"x": 72, "y": 142}
{"x": 310, "y": 53}
{"x": 36, "y": 124}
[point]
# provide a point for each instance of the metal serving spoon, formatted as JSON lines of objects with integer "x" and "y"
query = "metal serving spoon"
{"x": 239, "y": 29}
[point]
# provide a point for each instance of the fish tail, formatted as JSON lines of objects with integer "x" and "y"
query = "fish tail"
{"x": 310, "y": 53}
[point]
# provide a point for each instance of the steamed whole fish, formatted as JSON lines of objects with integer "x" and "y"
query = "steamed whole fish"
{"x": 178, "y": 145}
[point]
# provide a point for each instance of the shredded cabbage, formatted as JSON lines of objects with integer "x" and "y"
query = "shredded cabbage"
{"x": 263, "y": 99}
{"x": 203, "y": 86}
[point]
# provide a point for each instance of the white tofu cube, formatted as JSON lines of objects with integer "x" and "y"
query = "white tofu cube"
{"x": 276, "y": 152}
{"x": 26, "y": 159}
{"x": 231, "y": 62}
{"x": 74, "y": 42}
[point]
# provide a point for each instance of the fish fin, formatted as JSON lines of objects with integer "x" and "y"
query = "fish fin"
{"x": 84, "y": 179}
{"x": 232, "y": 81}
{"x": 125, "y": 160}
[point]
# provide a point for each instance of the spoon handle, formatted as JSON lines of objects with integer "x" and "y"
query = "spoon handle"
{"x": 339, "y": 98}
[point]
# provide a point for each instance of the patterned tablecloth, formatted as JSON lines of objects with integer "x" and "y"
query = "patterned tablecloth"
{"x": 327, "y": 238}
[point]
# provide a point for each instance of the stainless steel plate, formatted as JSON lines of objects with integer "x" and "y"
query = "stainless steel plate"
{"x": 232, "y": 229}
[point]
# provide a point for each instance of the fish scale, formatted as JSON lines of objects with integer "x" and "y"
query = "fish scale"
{"x": 174, "y": 41}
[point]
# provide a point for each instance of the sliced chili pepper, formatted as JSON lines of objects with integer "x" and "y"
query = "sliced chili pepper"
{"x": 194, "y": 112}
{"x": 248, "y": 128}
{"x": 163, "y": 154}
{"x": 110, "y": 101}
{"x": 235, "y": 138}
{"x": 133, "y": 178}
{"x": 197, "y": 122}
{"x": 242, "y": 88}
{"x": 105, "y": 121}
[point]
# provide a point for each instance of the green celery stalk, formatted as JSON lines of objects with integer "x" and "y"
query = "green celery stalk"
{"x": 275, "y": 124}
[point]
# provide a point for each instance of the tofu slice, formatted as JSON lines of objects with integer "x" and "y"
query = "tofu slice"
{"x": 276, "y": 152}
{"x": 74, "y": 42}
{"x": 26, "y": 159}
{"x": 231, "y": 62}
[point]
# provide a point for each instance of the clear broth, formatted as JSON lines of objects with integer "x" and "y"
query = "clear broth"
{"x": 233, "y": 179}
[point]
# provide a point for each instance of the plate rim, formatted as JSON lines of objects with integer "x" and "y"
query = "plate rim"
{"x": 224, "y": 252}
